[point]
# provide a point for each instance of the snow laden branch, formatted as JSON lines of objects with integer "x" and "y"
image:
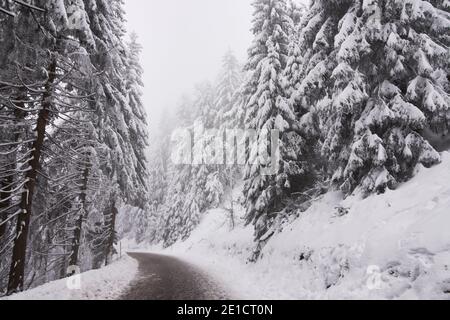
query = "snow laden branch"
{"x": 71, "y": 141}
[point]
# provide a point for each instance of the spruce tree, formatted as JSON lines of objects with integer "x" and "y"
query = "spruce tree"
{"x": 375, "y": 73}
{"x": 227, "y": 98}
{"x": 229, "y": 122}
{"x": 55, "y": 59}
{"x": 267, "y": 110}
{"x": 72, "y": 124}
{"x": 122, "y": 123}
{"x": 137, "y": 119}
{"x": 189, "y": 196}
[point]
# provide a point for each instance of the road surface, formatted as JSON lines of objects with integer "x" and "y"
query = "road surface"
{"x": 167, "y": 278}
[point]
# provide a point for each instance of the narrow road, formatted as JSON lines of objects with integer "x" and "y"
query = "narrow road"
{"x": 167, "y": 278}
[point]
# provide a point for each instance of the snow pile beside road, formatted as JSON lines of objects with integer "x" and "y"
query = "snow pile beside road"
{"x": 390, "y": 246}
{"x": 107, "y": 283}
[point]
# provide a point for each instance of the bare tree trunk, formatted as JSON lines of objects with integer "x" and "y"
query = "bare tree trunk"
{"x": 73, "y": 259}
{"x": 112, "y": 236}
{"x": 17, "y": 270}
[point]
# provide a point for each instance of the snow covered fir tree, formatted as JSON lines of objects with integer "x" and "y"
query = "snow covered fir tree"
{"x": 325, "y": 151}
{"x": 73, "y": 137}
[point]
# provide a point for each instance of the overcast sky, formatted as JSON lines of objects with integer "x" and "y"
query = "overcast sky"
{"x": 184, "y": 41}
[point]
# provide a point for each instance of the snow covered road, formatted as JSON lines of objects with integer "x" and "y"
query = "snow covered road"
{"x": 163, "y": 277}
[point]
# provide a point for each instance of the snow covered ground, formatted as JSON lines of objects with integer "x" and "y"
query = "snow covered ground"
{"x": 104, "y": 284}
{"x": 390, "y": 246}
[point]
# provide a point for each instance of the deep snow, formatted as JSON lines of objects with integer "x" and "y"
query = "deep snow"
{"x": 390, "y": 246}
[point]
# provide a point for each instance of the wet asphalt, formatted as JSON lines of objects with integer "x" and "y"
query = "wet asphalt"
{"x": 163, "y": 277}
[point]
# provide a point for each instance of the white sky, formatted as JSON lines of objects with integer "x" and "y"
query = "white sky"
{"x": 184, "y": 41}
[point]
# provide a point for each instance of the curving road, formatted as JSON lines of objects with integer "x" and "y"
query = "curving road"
{"x": 167, "y": 278}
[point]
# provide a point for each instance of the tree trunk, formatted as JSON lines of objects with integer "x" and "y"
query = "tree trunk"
{"x": 73, "y": 259}
{"x": 112, "y": 226}
{"x": 6, "y": 186}
{"x": 17, "y": 271}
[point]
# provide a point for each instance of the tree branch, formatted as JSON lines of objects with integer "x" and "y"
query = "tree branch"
{"x": 9, "y": 13}
{"x": 29, "y": 6}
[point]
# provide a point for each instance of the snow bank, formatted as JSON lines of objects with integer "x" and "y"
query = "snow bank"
{"x": 390, "y": 246}
{"x": 104, "y": 284}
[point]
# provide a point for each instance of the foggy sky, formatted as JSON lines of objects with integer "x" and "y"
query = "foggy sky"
{"x": 184, "y": 41}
